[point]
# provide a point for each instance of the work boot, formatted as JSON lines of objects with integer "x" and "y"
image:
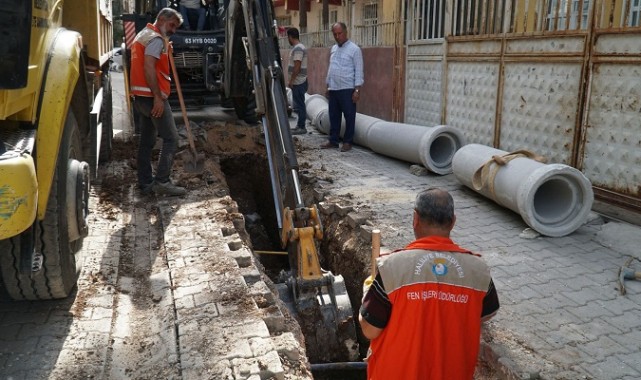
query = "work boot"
{"x": 346, "y": 147}
{"x": 146, "y": 189}
{"x": 299, "y": 131}
{"x": 168, "y": 188}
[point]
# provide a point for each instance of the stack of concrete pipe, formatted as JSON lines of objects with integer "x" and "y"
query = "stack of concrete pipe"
{"x": 433, "y": 147}
{"x": 553, "y": 199}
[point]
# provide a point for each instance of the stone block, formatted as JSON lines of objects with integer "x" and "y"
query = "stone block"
{"x": 243, "y": 257}
{"x": 287, "y": 346}
{"x": 325, "y": 208}
{"x": 235, "y": 245}
{"x": 319, "y": 194}
{"x": 250, "y": 274}
{"x": 355, "y": 219}
{"x": 365, "y": 232}
{"x": 274, "y": 319}
{"x": 262, "y": 295}
{"x": 343, "y": 210}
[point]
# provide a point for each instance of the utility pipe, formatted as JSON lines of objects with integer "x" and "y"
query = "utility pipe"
{"x": 433, "y": 147}
{"x": 553, "y": 199}
{"x": 342, "y": 366}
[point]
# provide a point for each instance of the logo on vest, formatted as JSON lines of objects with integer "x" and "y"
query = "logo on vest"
{"x": 439, "y": 267}
{"x": 441, "y": 263}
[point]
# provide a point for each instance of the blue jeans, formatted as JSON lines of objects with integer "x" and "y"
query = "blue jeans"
{"x": 150, "y": 128}
{"x": 298, "y": 98}
{"x": 341, "y": 104}
{"x": 184, "y": 11}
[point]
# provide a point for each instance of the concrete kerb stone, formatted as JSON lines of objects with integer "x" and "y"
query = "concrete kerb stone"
{"x": 356, "y": 219}
{"x": 258, "y": 326}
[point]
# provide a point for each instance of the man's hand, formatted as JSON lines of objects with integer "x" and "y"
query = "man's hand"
{"x": 158, "y": 108}
{"x": 356, "y": 95}
{"x": 366, "y": 284}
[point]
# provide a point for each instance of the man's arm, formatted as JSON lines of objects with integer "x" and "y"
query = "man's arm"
{"x": 358, "y": 68}
{"x": 150, "y": 75}
{"x": 370, "y": 332}
{"x": 490, "y": 303}
{"x": 375, "y": 310}
{"x": 295, "y": 72}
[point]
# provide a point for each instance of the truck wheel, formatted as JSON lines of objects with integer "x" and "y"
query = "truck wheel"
{"x": 244, "y": 99}
{"x": 245, "y": 107}
{"x": 106, "y": 116}
{"x": 50, "y": 238}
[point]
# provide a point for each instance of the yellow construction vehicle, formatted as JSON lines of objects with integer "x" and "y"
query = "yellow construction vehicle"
{"x": 55, "y": 126}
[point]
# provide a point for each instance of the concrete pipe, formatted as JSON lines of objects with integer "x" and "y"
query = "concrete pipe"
{"x": 433, "y": 147}
{"x": 553, "y": 199}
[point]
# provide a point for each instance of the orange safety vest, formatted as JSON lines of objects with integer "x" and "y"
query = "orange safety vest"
{"x": 436, "y": 289}
{"x": 139, "y": 85}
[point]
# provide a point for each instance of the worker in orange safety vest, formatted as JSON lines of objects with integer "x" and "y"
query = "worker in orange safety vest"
{"x": 150, "y": 84}
{"x": 424, "y": 308}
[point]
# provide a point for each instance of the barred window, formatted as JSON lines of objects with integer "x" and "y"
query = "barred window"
{"x": 426, "y": 19}
{"x": 369, "y": 34}
{"x": 478, "y": 17}
{"x": 635, "y": 13}
{"x": 565, "y": 14}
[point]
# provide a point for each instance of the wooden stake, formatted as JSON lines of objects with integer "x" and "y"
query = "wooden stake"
{"x": 376, "y": 250}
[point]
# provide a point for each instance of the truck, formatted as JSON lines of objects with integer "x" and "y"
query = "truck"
{"x": 55, "y": 127}
{"x": 198, "y": 54}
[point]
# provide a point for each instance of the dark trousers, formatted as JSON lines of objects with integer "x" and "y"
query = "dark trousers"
{"x": 298, "y": 98}
{"x": 341, "y": 104}
{"x": 150, "y": 128}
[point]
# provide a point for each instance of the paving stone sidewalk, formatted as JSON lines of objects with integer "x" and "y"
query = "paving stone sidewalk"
{"x": 561, "y": 316}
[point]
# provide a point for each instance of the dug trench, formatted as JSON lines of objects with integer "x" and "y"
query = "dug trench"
{"x": 236, "y": 167}
{"x": 342, "y": 251}
{"x": 345, "y": 248}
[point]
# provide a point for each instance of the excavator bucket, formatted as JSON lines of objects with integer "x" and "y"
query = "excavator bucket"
{"x": 317, "y": 298}
{"x": 325, "y": 315}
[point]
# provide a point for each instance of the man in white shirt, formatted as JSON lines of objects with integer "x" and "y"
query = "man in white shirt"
{"x": 344, "y": 81}
{"x": 297, "y": 72}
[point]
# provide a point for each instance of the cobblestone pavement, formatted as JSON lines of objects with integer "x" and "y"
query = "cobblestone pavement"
{"x": 561, "y": 316}
{"x": 168, "y": 290}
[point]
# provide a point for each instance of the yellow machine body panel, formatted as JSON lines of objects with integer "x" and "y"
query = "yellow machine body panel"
{"x": 83, "y": 16}
{"x": 21, "y": 104}
{"x": 18, "y": 195}
{"x": 43, "y": 100}
{"x": 65, "y": 58}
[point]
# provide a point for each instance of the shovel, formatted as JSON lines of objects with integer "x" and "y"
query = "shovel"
{"x": 194, "y": 161}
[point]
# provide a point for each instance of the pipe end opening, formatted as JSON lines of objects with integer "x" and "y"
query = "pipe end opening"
{"x": 561, "y": 203}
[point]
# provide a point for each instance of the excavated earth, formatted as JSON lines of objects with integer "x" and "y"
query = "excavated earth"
{"x": 171, "y": 287}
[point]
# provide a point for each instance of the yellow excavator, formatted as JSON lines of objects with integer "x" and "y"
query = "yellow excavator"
{"x": 317, "y": 297}
{"x": 55, "y": 126}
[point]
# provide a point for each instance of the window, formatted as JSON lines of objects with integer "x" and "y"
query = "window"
{"x": 425, "y": 19}
{"x": 284, "y": 21}
{"x": 635, "y": 13}
{"x": 333, "y": 17}
{"x": 370, "y": 13}
{"x": 369, "y": 35}
{"x": 557, "y": 14}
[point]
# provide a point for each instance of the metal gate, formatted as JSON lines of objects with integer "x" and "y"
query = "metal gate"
{"x": 559, "y": 77}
